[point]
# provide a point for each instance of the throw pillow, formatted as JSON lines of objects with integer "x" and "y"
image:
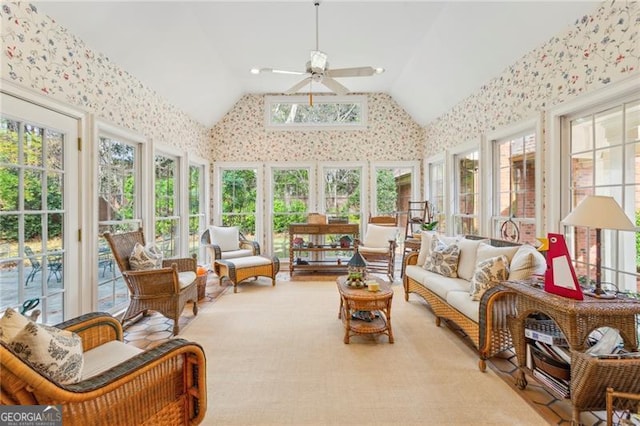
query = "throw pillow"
{"x": 488, "y": 273}
{"x": 425, "y": 246}
{"x": 379, "y": 236}
{"x": 10, "y": 324}
{"x": 145, "y": 257}
{"x": 226, "y": 237}
{"x": 526, "y": 262}
{"x": 54, "y": 352}
{"x": 468, "y": 255}
{"x": 443, "y": 259}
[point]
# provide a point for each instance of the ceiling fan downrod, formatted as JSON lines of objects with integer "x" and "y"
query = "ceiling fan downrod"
{"x": 317, "y": 5}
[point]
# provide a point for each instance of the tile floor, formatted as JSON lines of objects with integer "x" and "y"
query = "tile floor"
{"x": 155, "y": 329}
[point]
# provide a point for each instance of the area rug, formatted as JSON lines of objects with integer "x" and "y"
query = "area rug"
{"x": 275, "y": 356}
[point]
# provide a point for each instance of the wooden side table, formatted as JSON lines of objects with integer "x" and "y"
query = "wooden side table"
{"x": 361, "y": 299}
{"x": 575, "y": 318}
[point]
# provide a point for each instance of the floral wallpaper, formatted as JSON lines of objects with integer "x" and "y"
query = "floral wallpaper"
{"x": 391, "y": 135}
{"x": 600, "y": 49}
{"x": 42, "y": 55}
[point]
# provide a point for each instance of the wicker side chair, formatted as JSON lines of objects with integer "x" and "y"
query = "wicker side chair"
{"x": 166, "y": 290}
{"x": 245, "y": 248}
{"x": 165, "y": 385}
{"x": 378, "y": 248}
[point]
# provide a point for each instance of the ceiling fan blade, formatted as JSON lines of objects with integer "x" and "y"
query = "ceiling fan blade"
{"x": 334, "y": 86}
{"x": 298, "y": 86}
{"x": 351, "y": 72}
{"x": 276, "y": 71}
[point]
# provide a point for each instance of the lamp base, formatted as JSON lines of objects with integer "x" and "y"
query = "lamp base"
{"x": 601, "y": 294}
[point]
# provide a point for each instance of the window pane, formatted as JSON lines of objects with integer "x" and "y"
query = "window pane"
{"x": 55, "y": 148}
{"x": 9, "y": 190}
{"x": 167, "y": 230}
{"x": 608, "y": 128}
{"x": 239, "y": 193}
{"x": 342, "y": 193}
{"x": 32, "y": 146}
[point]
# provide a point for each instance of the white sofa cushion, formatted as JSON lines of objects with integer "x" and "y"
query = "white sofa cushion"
{"x": 463, "y": 303}
{"x": 379, "y": 236}
{"x": 487, "y": 251}
{"x": 468, "y": 255}
{"x": 526, "y": 262}
{"x": 103, "y": 357}
{"x": 425, "y": 246}
{"x": 247, "y": 262}
{"x": 437, "y": 283}
{"x": 226, "y": 237}
{"x": 488, "y": 273}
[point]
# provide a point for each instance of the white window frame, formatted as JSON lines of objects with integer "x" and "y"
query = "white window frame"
{"x": 364, "y": 179}
{"x": 442, "y": 159}
{"x": 182, "y": 197}
{"x": 218, "y": 169}
{"x": 318, "y": 99}
{"x": 416, "y": 190}
{"x": 76, "y": 300}
{"x": 194, "y": 160}
{"x": 313, "y": 201}
{"x": 452, "y": 170}
{"x": 489, "y": 160}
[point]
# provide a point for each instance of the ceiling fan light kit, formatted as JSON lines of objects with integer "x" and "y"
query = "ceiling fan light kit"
{"x": 317, "y": 70}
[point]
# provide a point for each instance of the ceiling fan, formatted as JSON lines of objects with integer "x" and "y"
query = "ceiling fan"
{"x": 318, "y": 71}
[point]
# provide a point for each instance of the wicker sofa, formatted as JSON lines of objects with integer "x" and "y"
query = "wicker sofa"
{"x": 124, "y": 385}
{"x": 483, "y": 321}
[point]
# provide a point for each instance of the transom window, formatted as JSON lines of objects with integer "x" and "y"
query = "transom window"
{"x": 301, "y": 112}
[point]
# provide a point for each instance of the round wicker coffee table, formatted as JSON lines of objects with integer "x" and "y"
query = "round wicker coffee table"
{"x": 362, "y": 303}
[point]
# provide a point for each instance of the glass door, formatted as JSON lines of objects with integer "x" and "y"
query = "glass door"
{"x": 38, "y": 210}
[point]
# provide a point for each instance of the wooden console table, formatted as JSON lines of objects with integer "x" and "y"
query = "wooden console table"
{"x": 318, "y": 254}
{"x": 575, "y": 318}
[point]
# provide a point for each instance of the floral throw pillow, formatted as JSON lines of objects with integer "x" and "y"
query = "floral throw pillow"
{"x": 488, "y": 273}
{"x": 443, "y": 259}
{"x": 54, "y": 352}
{"x": 11, "y": 324}
{"x": 145, "y": 257}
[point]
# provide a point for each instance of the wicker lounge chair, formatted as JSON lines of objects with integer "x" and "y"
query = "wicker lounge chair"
{"x": 165, "y": 385}
{"x": 244, "y": 247}
{"x": 163, "y": 290}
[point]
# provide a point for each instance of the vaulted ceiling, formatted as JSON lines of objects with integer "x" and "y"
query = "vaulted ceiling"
{"x": 198, "y": 55}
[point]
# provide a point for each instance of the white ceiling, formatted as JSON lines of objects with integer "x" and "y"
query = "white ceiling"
{"x": 198, "y": 54}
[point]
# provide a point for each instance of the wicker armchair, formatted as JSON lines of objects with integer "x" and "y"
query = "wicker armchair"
{"x": 166, "y": 290}
{"x": 165, "y": 385}
{"x": 245, "y": 248}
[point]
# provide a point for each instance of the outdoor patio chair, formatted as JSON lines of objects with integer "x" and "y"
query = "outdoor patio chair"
{"x": 118, "y": 384}
{"x": 166, "y": 290}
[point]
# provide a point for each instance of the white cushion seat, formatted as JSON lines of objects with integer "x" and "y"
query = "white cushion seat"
{"x": 106, "y": 356}
{"x": 185, "y": 278}
{"x": 380, "y": 250}
{"x": 461, "y": 301}
{"x": 236, "y": 253}
{"x": 241, "y": 268}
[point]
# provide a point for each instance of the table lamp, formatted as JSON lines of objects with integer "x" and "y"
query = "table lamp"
{"x": 599, "y": 212}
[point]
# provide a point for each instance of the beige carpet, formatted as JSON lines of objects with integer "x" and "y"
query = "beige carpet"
{"x": 275, "y": 356}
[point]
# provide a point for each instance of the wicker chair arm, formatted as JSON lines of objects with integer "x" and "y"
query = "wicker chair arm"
{"x": 250, "y": 245}
{"x": 184, "y": 264}
{"x": 411, "y": 259}
{"x": 95, "y": 329}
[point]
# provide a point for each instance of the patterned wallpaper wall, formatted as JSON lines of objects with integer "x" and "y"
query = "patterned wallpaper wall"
{"x": 600, "y": 49}
{"x": 41, "y": 55}
{"x": 391, "y": 135}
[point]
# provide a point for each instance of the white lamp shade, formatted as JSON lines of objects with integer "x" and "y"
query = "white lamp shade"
{"x": 601, "y": 212}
